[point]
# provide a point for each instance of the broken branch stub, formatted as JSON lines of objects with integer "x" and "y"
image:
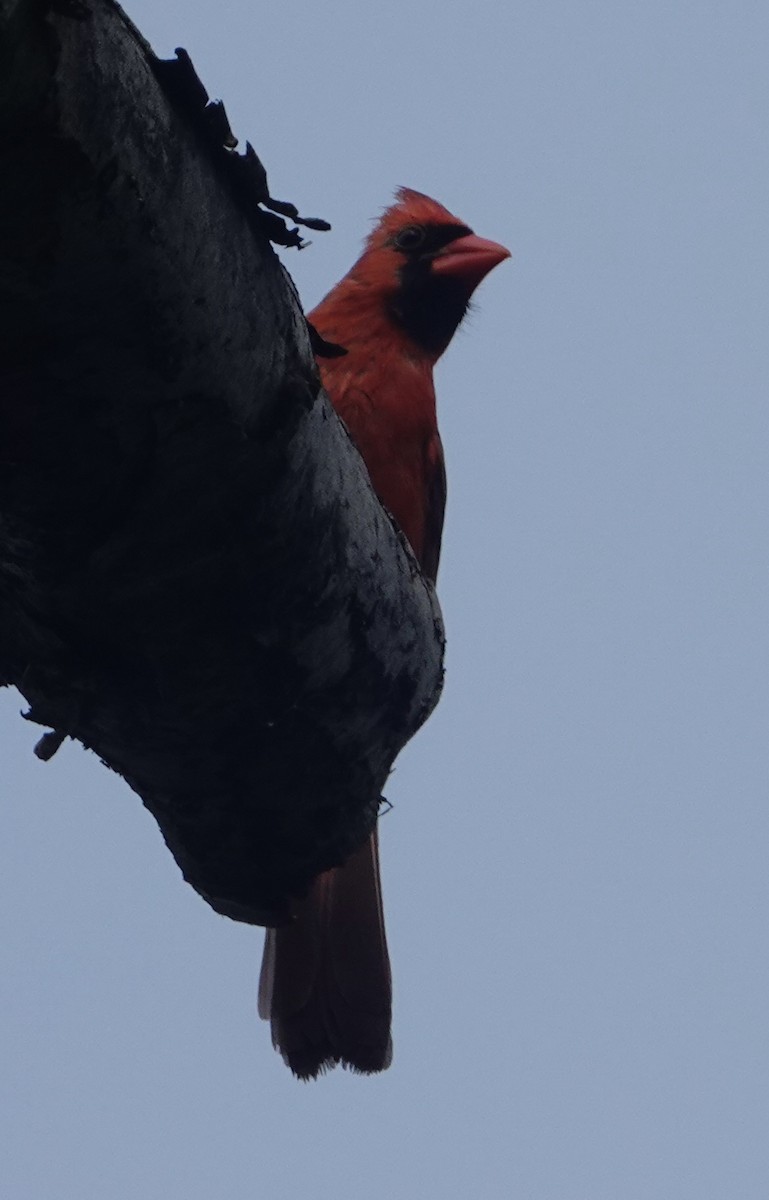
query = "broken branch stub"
{"x": 196, "y": 579}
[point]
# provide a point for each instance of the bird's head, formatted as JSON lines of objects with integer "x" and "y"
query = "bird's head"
{"x": 427, "y": 264}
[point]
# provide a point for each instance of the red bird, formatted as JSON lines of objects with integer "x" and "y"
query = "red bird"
{"x": 325, "y": 982}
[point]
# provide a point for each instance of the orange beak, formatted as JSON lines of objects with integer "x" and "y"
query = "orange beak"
{"x": 469, "y": 258}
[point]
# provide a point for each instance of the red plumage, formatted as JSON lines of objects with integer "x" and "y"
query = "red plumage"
{"x": 325, "y": 981}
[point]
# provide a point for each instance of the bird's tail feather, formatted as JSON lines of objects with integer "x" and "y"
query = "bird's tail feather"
{"x": 325, "y": 984}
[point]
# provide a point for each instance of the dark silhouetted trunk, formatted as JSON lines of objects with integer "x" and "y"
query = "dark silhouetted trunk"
{"x": 196, "y": 580}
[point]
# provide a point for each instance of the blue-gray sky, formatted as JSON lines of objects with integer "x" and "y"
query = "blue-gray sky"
{"x": 576, "y": 866}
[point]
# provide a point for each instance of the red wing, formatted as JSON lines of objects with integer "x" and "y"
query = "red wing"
{"x": 435, "y": 506}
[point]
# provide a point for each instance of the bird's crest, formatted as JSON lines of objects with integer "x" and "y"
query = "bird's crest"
{"x": 409, "y": 206}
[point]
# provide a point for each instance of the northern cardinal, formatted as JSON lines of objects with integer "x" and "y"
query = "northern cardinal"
{"x": 325, "y": 983}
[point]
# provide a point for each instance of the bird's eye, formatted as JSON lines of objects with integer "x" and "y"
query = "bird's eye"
{"x": 410, "y": 238}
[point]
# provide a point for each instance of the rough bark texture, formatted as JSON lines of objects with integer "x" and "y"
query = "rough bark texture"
{"x": 196, "y": 580}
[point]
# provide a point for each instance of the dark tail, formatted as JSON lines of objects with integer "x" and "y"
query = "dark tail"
{"x": 325, "y": 984}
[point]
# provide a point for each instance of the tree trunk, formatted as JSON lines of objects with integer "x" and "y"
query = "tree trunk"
{"x": 196, "y": 579}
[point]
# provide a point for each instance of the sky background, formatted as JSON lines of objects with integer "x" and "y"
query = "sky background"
{"x": 576, "y": 868}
